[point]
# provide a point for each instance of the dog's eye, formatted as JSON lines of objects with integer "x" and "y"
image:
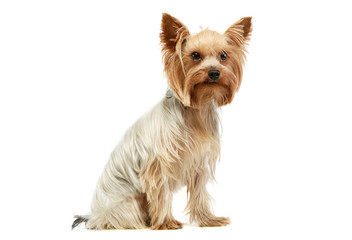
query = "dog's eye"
{"x": 223, "y": 56}
{"x": 195, "y": 56}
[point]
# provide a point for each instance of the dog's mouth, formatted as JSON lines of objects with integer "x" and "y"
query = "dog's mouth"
{"x": 211, "y": 82}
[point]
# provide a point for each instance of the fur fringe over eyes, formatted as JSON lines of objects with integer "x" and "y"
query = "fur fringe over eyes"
{"x": 177, "y": 143}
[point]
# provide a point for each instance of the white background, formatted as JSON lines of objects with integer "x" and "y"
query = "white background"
{"x": 75, "y": 74}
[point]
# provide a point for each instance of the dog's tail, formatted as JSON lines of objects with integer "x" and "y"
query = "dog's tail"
{"x": 79, "y": 219}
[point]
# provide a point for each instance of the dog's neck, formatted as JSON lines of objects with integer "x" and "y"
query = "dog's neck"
{"x": 202, "y": 120}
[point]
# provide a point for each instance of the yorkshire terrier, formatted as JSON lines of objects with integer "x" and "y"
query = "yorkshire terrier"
{"x": 177, "y": 143}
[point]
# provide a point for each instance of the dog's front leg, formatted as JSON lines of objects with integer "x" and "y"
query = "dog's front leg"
{"x": 159, "y": 196}
{"x": 160, "y": 213}
{"x": 199, "y": 202}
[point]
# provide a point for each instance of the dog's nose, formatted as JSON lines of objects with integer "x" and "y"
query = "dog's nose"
{"x": 214, "y": 74}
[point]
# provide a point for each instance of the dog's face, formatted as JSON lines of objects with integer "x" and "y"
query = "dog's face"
{"x": 204, "y": 67}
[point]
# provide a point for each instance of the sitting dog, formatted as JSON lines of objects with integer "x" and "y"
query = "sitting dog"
{"x": 177, "y": 143}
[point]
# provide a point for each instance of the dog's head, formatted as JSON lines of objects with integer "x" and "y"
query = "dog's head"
{"x": 204, "y": 67}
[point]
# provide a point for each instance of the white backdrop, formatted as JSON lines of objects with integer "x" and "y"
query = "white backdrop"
{"x": 75, "y": 74}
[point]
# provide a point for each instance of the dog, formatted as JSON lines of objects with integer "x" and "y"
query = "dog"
{"x": 177, "y": 143}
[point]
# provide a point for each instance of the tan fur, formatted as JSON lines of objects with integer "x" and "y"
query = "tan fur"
{"x": 177, "y": 143}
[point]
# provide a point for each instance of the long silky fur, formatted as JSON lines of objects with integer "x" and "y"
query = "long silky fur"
{"x": 173, "y": 145}
{"x": 158, "y": 153}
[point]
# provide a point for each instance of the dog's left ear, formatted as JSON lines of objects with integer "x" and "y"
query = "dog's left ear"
{"x": 173, "y": 33}
{"x": 240, "y": 31}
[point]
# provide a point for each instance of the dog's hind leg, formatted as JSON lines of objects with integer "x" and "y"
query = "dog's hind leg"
{"x": 127, "y": 214}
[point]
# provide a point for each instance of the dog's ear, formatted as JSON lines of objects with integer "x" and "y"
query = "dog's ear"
{"x": 240, "y": 31}
{"x": 173, "y": 33}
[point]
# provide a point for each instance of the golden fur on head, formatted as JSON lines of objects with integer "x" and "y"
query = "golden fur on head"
{"x": 188, "y": 78}
{"x": 177, "y": 143}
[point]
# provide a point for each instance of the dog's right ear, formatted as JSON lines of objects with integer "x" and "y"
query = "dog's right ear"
{"x": 173, "y": 34}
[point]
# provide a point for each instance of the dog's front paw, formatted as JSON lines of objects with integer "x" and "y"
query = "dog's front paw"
{"x": 215, "y": 222}
{"x": 172, "y": 224}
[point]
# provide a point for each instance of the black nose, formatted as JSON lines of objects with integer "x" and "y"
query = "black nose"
{"x": 214, "y": 74}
